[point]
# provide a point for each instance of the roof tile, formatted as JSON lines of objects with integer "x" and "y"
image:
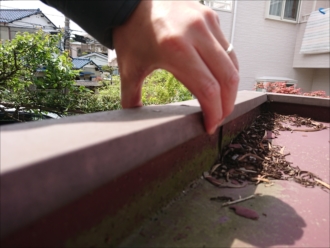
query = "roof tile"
{"x": 78, "y": 63}
{"x": 10, "y": 15}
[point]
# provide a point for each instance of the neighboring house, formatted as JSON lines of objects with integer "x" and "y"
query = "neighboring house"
{"x": 89, "y": 69}
{"x": 75, "y": 49}
{"x": 98, "y": 58}
{"x": 23, "y": 20}
{"x": 78, "y": 48}
{"x": 267, "y": 38}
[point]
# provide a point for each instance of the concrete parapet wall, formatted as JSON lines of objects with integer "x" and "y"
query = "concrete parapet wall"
{"x": 91, "y": 179}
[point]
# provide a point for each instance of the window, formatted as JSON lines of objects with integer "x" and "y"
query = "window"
{"x": 219, "y": 5}
{"x": 284, "y": 10}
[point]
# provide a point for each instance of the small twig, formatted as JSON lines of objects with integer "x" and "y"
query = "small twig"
{"x": 227, "y": 176}
{"x": 245, "y": 170}
{"x": 261, "y": 179}
{"x": 287, "y": 154}
{"x": 323, "y": 183}
{"x": 269, "y": 146}
{"x": 239, "y": 200}
{"x": 310, "y": 130}
{"x": 251, "y": 155}
{"x": 214, "y": 168}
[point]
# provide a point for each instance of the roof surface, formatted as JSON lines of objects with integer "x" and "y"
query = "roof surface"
{"x": 10, "y": 15}
{"x": 95, "y": 53}
{"x": 78, "y": 63}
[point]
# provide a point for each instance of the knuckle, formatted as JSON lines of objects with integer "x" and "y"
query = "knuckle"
{"x": 197, "y": 22}
{"x": 212, "y": 17}
{"x": 210, "y": 90}
{"x": 234, "y": 80}
{"x": 172, "y": 42}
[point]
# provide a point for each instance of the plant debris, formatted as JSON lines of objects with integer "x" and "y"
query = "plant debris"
{"x": 223, "y": 183}
{"x": 245, "y": 212}
{"x": 251, "y": 156}
{"x": 240, "y": 200}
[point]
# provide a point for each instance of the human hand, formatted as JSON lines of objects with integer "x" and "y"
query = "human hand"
{"x": 184, "y": 38}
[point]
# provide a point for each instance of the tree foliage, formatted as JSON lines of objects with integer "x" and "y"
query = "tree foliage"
{"x": 160, "y": 87}
{"x": 109, "y": 69}
{"x": 37, "y": 76}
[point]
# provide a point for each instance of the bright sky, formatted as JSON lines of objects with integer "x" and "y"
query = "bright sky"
{"x": 55, "y": 16}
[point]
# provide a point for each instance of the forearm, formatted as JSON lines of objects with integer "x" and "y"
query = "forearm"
{"x": 97, "y": 18}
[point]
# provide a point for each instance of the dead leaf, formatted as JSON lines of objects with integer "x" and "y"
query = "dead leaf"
{"x": 235, "y": 146}
{"x": 245, "y": 212}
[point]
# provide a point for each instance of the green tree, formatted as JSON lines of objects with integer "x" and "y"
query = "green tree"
{"x": 161, "y": 87}
{"x": 36, "y": 76}
{"x": 109, "y": 69}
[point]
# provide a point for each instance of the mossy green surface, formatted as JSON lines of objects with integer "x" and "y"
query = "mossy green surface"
{"x": 226, "y": 139}
{"x": 195, "y": 221}
{"x": 156, "y": 194}
{"x": 113, "y": 229}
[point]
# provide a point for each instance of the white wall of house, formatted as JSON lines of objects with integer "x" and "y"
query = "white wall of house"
{"x": 4, "y": 33}
{"x": 9, "y": 32}
{"x": 264, "y": 47}
{"x": 35, "y": 21}
{"x": 267, "y": 47}
{"x": 28, "y": 24}
{"x": 92, "y": 68}
{"x": 111, "y": 55}
{"x": 304, "y": 77}
{"x": 321, "y": 60}
{"x": 321, "y": 80}
{"x": 309, "y": 60}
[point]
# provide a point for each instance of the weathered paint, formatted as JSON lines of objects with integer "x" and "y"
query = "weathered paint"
{"x": 113, "y": 228}
{"x": 289, "y": 215}
{"x": 111, "y": 212}
{"x": 195, "y": 221}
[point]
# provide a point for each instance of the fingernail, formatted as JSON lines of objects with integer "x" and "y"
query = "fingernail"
{"x": 212, "y": 130}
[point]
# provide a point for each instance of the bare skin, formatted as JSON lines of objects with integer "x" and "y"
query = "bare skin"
{"x": 184, "y": 38}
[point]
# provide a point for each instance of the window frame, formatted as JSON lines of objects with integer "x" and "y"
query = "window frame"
{"x": 207, "y": 3}
{"x": 281, "y": 18}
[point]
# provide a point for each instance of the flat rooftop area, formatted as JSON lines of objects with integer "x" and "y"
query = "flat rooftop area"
{"x": 290, "y": 215}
